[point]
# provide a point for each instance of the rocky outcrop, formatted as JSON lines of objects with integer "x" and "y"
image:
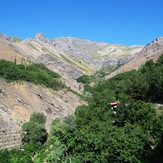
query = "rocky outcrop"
{"x": 8, "y": 38}
{"x": 118, "y": 62}
{"x": 40, "y": 36}
{"x": 59, "y": 66}
{"x": 111, "y": 63}
{"x": 152, "y": 48}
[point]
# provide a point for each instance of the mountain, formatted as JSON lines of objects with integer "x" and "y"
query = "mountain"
{"x": 71, "y": 58}
{"x": 86, "y": 55}
{"x": 151, "y": 51}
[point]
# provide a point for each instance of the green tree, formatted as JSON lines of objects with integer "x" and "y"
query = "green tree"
{"x": 14, "y": 156}
{"x": 18, "y": 156}
{"x": 34, "y": 135}
{"x": 38, "y": 117}
{"x": 58, "y": 128}
{"x": 4, "y": 156}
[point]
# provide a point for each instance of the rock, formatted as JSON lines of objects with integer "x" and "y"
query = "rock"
{"x": 3, "y": 36}
{"x": 62, "y": 67}
{"x": 107, "y": 63}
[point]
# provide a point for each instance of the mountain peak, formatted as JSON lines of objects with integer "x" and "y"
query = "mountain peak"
{"x": 40, "y": 35}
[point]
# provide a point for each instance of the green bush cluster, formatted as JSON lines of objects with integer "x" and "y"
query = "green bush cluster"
{"x": 36, "y": 73}
{"x": 33, "y": 133}
{"x": 85, "y": 79}
{"x": 14, "y": 156}
{"x": 145, "y": 84}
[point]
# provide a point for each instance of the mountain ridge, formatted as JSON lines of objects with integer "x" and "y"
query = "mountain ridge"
{"x": 68, "y": 57}
{"x": 81, "y": 56}
{"x": 151, "y": 51}
{"x": 87, "y": 49}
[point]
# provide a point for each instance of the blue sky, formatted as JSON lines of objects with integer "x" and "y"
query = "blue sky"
{"x": 127, "y": 22}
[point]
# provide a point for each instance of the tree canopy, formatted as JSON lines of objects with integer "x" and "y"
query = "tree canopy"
{"x": 36, "y": 73}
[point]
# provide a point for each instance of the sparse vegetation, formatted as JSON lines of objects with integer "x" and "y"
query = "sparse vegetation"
{"x": 67, "y": 60}
{"x": 32, "y": 46}
{"x": 17, "y": 39}
{"x": 73, "y": 63}
{"x": 46, "y": 50}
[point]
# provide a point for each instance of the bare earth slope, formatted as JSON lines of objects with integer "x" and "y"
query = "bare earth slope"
{"x": 19, "y": 100}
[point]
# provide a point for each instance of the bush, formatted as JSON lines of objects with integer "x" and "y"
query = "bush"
{"x": 34, "y": 135}
{"x": 38, "y": 117}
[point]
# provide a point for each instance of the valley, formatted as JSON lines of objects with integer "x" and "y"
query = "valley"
{"x": 71, "y": 58}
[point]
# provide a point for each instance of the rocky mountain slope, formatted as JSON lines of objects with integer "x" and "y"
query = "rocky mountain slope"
{"x": 151, "y": 51}
{"x": 86, "y": 55}
{"x": 98, "y": 53}
{"x": 70, "y": 57}
{"x": 19, "y": 100}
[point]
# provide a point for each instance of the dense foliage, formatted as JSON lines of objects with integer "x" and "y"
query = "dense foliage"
{"x": 38, "y": 117}
{"x": 14, "y": 156}
{"x": 145, "y": 84}
{"x": 134, "y": 133}
{"x": 36, "y": 73}
{"x": 33, "y": 133}
{"x": 98, "y": 133}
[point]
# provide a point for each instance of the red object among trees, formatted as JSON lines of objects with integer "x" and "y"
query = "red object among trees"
{"x": 114, "y": 103}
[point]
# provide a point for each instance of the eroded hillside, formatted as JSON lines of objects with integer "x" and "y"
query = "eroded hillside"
{"x": 19, "y": 100}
